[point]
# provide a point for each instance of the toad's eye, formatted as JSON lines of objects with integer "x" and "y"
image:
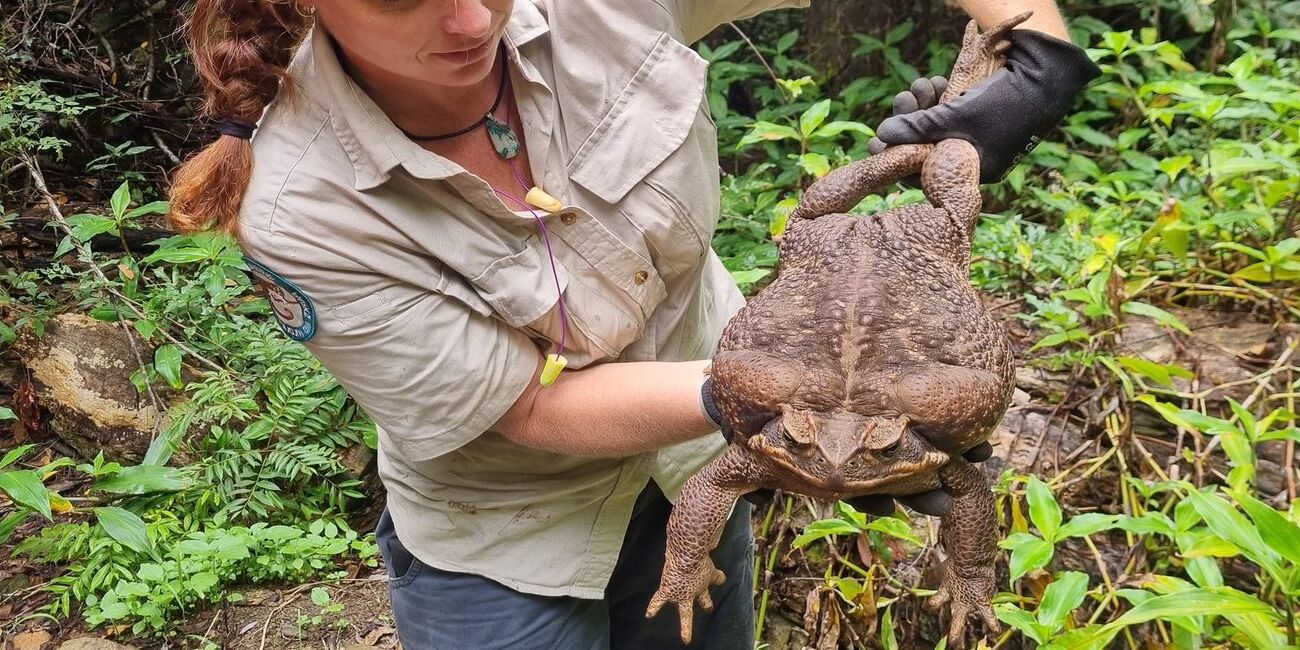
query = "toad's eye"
{"x": 888, "y": 453}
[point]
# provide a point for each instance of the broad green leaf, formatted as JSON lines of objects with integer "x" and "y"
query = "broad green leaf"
{"x": 125, "y": 527}
{"x": 1053, "y": 340}
{"x": 815, "y": 164}
{"x": 142, "y": 479}
{"x": 1029, "y": 555}
{"x": 121, "y": 198}
{"x": 14, "y": 454}
{"x": 814, "y": 117}
{"x": 1278, "y": 532}
{"x": 151, "y": 572}
{"x": 1043, "y": 509}
{"x": 824, "y": 528}
{"x": 167, "y": 361}
{"x": 156, "y": 207}
{"x": 1228, "y": 523}
{"x": 11, "y": 522}
{"x": 1159, "y": 315}
{"x": 832, "y": 129}
{"x": 1062, "y": 597}
{"x": 1021, "y": 620}
{"x": 749, "y": 276}
{"x": 1172, "y": 166}
{"x": 1087, "y": 524}
{"x": 1159, "y": 372}
{"x": 759, "y": 132}
{"x": 7, "y": 413}
{"x": 320, "y": 596}
{"x": 26, "y": 489}
{"x": 893, "y": 527}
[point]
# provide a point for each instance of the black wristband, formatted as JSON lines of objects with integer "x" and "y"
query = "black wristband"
{"x": 710, "y": 407}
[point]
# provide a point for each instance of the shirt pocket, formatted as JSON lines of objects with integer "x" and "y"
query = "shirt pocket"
{"x": 653, "y": 157}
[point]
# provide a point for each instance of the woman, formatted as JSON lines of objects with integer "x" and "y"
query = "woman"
{"x": 454, "y": 198}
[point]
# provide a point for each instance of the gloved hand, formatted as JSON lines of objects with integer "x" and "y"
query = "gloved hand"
{"x": 935, "y": 502}
{"x": 1005, "y": 115}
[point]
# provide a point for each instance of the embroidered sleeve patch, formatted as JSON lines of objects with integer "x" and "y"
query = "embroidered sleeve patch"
{"x": 292, "y": 307}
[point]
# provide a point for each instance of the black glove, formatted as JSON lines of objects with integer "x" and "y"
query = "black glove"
{"x": 1005, "y": 115}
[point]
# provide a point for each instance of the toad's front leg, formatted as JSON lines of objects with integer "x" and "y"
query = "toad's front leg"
{"x": 693, "y": 530}
{"x": 969, "y": 535}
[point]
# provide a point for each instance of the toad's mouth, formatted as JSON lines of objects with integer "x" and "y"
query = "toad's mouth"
{"x": 815, "y": 477}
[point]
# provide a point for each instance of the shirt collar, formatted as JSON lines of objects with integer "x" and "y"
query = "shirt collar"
{"x": 373, "y": 143}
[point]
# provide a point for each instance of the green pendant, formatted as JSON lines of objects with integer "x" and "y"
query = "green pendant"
{"x": 503, "y": 138}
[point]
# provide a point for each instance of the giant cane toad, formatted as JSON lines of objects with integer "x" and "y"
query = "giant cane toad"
{"x": 867, "y": 367}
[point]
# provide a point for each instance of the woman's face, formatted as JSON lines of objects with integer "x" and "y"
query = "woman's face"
{"x": 440, "y": 42}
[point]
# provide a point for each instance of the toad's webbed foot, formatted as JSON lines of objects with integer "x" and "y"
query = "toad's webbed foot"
{"x": 684, "y": 586}
{"x": 965, "y": 591}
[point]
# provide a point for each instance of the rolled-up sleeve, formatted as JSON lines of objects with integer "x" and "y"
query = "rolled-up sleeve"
{"x": 430, "y": 370}
{"x": 699, "y": 17}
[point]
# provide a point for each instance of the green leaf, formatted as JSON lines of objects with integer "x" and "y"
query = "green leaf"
{"x": 1159, "y": 372}
{"x": 151, "y": 572}
{"x": 814, "y": 117}
{"x": 1159, "y": 315}
{"x": 1021, "y": 620}
{"x": 14, "y": 454}
{"x": 7, "y": 413}
{"x": 835, "y": 128}
{"x": 204, "y": 582}
{"x": 1029, "y": 555}
{"x": 143, "y": 479}
{"x": 125, "y": 527}
{"x": 26, "y": 489}
{"x": 167, "y": 361}
{"x": 761, "y": 131}
{"x": 815, "y": 164}
{"x": 1062, "y": 597}
{"x": 1280, "y": 534}
{"x": 1043, "y": 509}
{"x": 155, "y": 207}
{"x": 824, "y": 528}
{"x": 749, "y": 276}
{"x": 1087, "y": 524}
{"x": 1053, "y": 340}
{"x": 1228, "y": 523}
{"x": 320, "y": 596}
{"x": 121, "y": 198}
{"x": 11, "y": 522}
{"x": 893, "y": 527}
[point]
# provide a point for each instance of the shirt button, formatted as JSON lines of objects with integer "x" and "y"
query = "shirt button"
{"x": 640, "y": 277}
{"x": 568, "y": 218}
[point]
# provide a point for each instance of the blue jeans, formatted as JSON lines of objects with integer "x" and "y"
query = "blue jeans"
{"x": 442, "y": 610}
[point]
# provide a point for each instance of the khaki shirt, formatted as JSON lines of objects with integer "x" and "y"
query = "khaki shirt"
{"x": 428, "y": 298}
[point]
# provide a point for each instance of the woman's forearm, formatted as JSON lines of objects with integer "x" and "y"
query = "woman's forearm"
{"x": 1047, "y": 18}
{"x": 611, "y": 409}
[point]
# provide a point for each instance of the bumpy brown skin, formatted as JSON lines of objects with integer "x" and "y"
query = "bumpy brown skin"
{"x": 866, "y": 367}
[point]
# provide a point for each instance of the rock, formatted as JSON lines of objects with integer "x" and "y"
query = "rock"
{"x": 1030, "y": 440}
{"x": 93, "y": 643}
{"x": 81, "y": 371}
{"x": 31, "y": 640}
{"x": 1219, "y": 342}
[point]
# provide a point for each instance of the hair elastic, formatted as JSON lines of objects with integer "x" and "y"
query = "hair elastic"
{"x": 236, "y": 128}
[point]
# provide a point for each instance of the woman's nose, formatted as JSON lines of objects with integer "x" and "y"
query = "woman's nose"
{"x": 468, "y": 18}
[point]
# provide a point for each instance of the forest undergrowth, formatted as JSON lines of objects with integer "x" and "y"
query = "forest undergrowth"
{"x": 1144, "y": 259}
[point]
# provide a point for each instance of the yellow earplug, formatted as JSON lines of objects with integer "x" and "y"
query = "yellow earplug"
{"x": 543, "y": 201}
{"x": 551, "y": 369}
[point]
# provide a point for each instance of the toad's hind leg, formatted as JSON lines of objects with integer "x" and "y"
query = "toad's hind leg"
{"x": 694, "y": 527}
{"x": 840, "y": 190}
{"x": 950, "y": 178}
{"x": 969, "y": 535}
